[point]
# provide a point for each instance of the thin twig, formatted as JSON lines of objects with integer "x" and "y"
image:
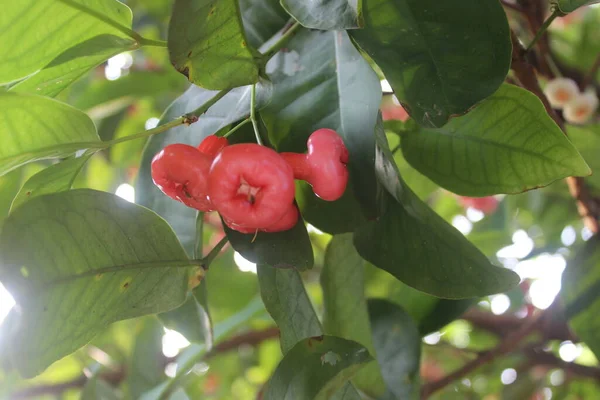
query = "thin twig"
{"x": 253, "y": 115}
{"x": 542, "y": 30}
{"x": 506, "y": 346}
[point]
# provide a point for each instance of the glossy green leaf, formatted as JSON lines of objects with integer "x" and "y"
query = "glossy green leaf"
{"x": 346, "y": 315}
{"x": 145, "y": 370}
{"x": 287, "y": 249}
{"x": 507, "y": 144}
{"x": 316, "y": 368}
{"x": 587, "y": 141}
{"x": 397, "y": 347}
{"x": 58, "y": 31}
{"x": 326, "y": 14}
{"x": 73, "y": 63}
{"x": 262, "y": 19}
{"x": 441, "y": 58}
{"x": 286, "y": 300}
{"x": 581, "y": 294}
{"x": 35, "y": 127}
{"x": 568, "y": 6}
{"x": 233, "y": 107}
{"x": 56, "y": 178}
{"x": 208, "y": 45}
{"x": 323, "y": 82}
{"x": 414, "y": 244}
{"x": 79, "y": 260}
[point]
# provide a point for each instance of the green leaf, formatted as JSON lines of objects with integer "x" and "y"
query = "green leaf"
{"x": 96, "y": 388}
{"x": 56, "y": 178}
{"x": 190, "y": 319}
{"x": 35, "y": 128}
{"x": 288, "y": 249}
{"x": 398, "y": 348}
{"x": 146, "y": 369}
{"x": 345, "y": 306}
{"x": 326, "y": 14}
{"x": 567, "y": 6}
{"x": 443, "y": 312}
{"x": 342, "y": 93}
{"x": 316, "y": 368}
{"x": 507, "y": 144}
{"x": 33, "y": 33}
{"x": 262, "y": 20}
{"x": 77, "y": 261}
{"x": 347, "y": 392}
{"x": 9, "y": 187}
{"x": 587, "y": 141}
{"x": 208, "y": 45}
{"x": 286, "y": 300}
{"x": 232, "y": 107}
{"x": 73, "y": 63}
{"x": 581, "y": 294}
{"x": 441, "y": 58}
{"x": 414, "y": 244}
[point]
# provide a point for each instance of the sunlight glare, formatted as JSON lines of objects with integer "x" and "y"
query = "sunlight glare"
{"x": 6, "y": 303}
{"x": 243, "y": 264}
{"x": 126, "y": 191}
{"x": 173, "y": 342}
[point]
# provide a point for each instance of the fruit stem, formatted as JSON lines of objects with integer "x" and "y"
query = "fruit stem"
{"x": 214, "y": 252}
{"x": 543, "y": 29}
{"x": 235, "y": 128}
{"x": 278, "y": 45}
{"x": 253, "y": 115}
{"x": 148, "y": 133}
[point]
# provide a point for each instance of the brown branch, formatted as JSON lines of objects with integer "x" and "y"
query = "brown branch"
{"x": 586, "y": 204}
{"x": 538, "y": 357}
{"x": 590, "y": 77}
{"x": 506, "y": 346}
{"x": 251, "y": 338}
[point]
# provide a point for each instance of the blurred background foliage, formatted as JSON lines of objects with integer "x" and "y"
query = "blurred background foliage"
{"x": 533, "y": 233}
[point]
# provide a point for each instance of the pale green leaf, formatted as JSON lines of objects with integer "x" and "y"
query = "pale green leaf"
{"x": 326, "y": 14}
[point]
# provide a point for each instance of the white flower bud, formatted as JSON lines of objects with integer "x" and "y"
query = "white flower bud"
{"x": 560, "y": 91}
{"x": 581, "y": 108}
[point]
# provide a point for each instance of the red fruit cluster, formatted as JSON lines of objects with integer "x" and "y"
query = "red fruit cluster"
{"x": 486, "y": 205}
{"x": 251, "y": 186}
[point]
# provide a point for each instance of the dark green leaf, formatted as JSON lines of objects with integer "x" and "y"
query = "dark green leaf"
{"x": 323, "y": 82}
{"x": 568, "y": 6}
{"x": 56, "y": 178}
{"x": 50, "y": 28}
{"x": 288, "y": 249}
{"x": 398, "y": 348}
{"x": 326, "y": 14}
{"x": 208, "y": 45}
{"x": 316, "y": 368}
{"x": 345, "y": 306}
{"x": 286, "y": 300}
{"x": 411, "y": 242}
{"x": 146, "y": 369}
{"x": 444, "y": 312}
{"x": 441, "y": 58}
{"x": 233, "y": 107}
{"x": 72, "y": 64}
{"x": 581, "y": 294}
{"x": 347, "y": 392}
{"x": 35, "y": 127}
{"x": 262, "y": 20}
{"x": 97, "y": 389}
{"x": 79, "y": 260}
{"x": 507, "y": 144}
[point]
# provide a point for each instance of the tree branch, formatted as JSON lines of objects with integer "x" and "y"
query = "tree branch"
{"x": 251, "y": 338}
{"x": 586, "y": 204}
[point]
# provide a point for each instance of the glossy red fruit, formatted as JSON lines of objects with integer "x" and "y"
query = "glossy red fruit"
{"x": 181, "y": 172}
{"x": 486, "y": 205}
{"x": 212, "y": 145}
{"x": 324, "y": 167}
{"x": 287, "y": 222}
{"x": 251, "y": 185}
